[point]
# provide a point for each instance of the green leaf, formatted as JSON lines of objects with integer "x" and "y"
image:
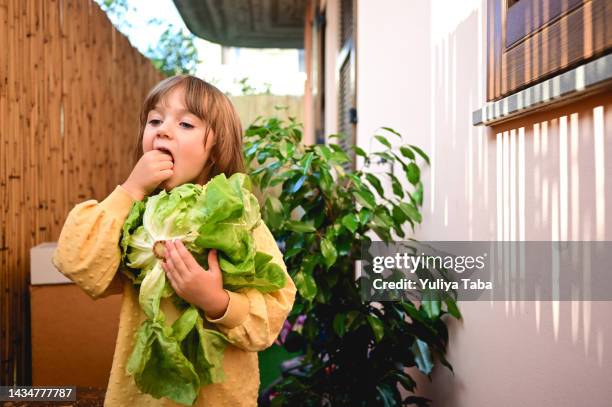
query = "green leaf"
{"x": 284, "y": 148}
{"x": 355, "y": 178}
{"x": 339, "y": 157}
{"x": 414, "y": 173}
{"x": 360, "y": 151}
{"x": 258, "y": 170}
{"x": 386, "y": 394}
{"x": 306, "y": 285}
{"x": 309, "y": 263}
{"x": 351, "y": 222}
{"x": 365, "y": 198}
{"x": 422, "y": 356}
{"x": 398, "y": 215}
{"x": 383, "y": 140}
{"x": 396, "y": 185}
{"x": 323, "y": 151}
{"x": 375, "y": 183}
{"x": 273, "y": 212}
{"x": 389, "y": 129}
{"x": 306, "y": 161}
{"x": 383, "y": 154}
{"x": 351, "y": 319}
{"x": 297, "y": 185}
{"x": 451, "y": 305}
{"x": 377, "y": 327}
{"x": 339, "y": 324}
{"x": 445, "y": 362}
{"x": 418, "y": 194}
{"x": 133, "y": 220}
{"x": 282, "y": 177}
{"x": 262, "y": 156}
{"x": 414, "y": 313}
{"x": 265, "y": 179}
{"x": 407, "y": 152}
{"x": 406, "y": 381}
{"x": 329, "y": 252}
{"x": 150, "y": 292}
{"x": 327, "y": 180}
{"x": 410, "y": 211}
{"x": 208, "y": 355}
{"x": 185, "y": 323}
{"x": 300, "y": 227}
{"x": 421, "y": 153}
{"x": 159, "y": 367}
{"x": 364, "y": 216}
{"x": 431, "y": 304}
{"x": 383, "y": 220}
{"x": 292, "y": 252}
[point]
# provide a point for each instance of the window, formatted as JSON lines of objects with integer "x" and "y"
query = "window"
{"x": 532, "y": 40}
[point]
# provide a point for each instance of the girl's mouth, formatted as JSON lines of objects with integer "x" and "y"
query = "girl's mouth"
{"x": 165, "y": 150}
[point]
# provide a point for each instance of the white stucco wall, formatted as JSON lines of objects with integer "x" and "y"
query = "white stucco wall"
{"x": 421, "y": 70}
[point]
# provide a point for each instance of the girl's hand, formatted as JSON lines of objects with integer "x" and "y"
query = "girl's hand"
{"x": 152, "y": 169}
{"x": 202, "y": 288}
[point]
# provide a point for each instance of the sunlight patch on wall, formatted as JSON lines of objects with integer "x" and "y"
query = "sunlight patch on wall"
{"x": 586, "y": 275}
{"x": 554, "y": 281}
{"x": 575, "y": 179}
{"x": 600, "y": 168}
{"x": 563, "y": 179}
{"x": 498, "y": 184}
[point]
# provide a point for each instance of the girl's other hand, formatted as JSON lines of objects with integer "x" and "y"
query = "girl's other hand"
{"x": 202, "y": 288}
{"x": 152, "y": 169}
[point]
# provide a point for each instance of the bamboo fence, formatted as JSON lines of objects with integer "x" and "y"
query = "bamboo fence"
{"x": 250, "y": 107}
{"x": 71, "y": 87}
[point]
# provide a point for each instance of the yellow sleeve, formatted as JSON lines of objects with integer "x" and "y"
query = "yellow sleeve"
{"x": 88, "y": 250}
{"x": 253, "y": 320}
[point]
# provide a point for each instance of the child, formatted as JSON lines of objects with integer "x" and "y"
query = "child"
{"x": 189, "y": 132}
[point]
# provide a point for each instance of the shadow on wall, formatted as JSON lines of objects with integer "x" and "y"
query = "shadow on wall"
{"x": 543, "y": 177}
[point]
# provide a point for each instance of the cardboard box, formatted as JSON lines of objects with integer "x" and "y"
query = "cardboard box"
{"x": 73, "y": 336}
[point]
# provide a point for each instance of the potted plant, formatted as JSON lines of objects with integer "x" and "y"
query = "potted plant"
{"x": 355, "y": 352}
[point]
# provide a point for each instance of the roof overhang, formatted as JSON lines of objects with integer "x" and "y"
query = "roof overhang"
{"x": 246, "y": 23}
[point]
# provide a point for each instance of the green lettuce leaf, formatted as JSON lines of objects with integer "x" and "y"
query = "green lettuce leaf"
{"x": 159, "y": 366}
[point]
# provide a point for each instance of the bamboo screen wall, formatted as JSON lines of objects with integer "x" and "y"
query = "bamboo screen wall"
{"x": 250, "y": 107}
{"x": 70, "y": 90}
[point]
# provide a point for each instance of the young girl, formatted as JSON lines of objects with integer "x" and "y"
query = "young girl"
{"x": 189, "y": 132}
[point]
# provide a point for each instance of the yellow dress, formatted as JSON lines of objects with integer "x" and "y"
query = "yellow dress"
{"x": 88, "y": 253}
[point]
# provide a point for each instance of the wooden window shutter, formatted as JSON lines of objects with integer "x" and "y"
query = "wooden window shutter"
{"x": 532, "y": 40}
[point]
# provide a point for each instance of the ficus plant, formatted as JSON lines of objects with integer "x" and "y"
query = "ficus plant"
{"x": 355, "y": 352}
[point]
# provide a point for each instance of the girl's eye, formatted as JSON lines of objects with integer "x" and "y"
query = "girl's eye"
{"x": 156, "y": 121}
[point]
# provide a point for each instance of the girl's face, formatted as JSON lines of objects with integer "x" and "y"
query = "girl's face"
{"x": 171, "y": 127}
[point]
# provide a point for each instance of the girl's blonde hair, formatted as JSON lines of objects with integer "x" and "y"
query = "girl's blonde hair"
{"x": 215, "y": 109}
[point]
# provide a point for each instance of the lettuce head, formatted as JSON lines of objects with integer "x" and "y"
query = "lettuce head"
{"x": 174, "y": 361}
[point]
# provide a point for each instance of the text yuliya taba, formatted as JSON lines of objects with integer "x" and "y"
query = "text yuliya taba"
{"x": 437, "y": 284}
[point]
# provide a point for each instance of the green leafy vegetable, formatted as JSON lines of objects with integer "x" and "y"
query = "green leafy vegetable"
{"x": 175, "y": 361}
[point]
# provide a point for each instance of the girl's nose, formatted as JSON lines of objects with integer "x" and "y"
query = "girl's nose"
{"x": 162, "y": 131}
